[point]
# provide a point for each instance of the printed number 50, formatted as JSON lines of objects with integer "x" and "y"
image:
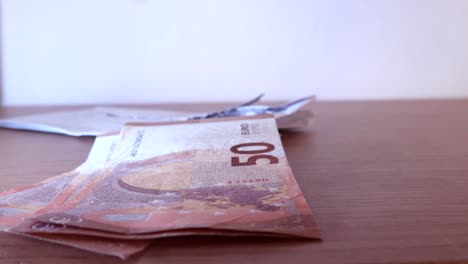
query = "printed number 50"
{"x": 252, "y": 160}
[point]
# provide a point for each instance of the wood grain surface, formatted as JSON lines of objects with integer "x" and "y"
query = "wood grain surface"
{"x": 387, "y": 181}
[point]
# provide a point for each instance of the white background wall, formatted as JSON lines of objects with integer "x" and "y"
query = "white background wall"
{"x": 110, "y": 51}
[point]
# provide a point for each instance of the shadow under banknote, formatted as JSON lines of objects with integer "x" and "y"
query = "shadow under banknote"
{"x": 224, "y": 246}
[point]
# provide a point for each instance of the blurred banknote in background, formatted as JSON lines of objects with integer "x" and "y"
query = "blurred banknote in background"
{"x": 101, "y": 120}
{"x": 220, "y": 176}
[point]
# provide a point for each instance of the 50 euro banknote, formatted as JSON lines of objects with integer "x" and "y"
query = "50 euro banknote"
{"x": 215, "y": 175}
{"x": 19, "y": 204}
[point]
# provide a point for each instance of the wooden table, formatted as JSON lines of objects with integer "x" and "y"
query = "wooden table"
{"x": 387, "y": 181}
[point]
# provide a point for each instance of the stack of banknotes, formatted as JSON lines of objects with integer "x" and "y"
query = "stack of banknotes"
{"x": 96, "y": 121}
{"x": 220, "y": 176}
